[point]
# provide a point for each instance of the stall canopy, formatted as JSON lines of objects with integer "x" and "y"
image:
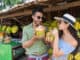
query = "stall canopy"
{"x": 24, "y": 9}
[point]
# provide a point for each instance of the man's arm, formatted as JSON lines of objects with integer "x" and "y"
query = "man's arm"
{"x": 29, "y": 43}
{"x": 26, "y": 41}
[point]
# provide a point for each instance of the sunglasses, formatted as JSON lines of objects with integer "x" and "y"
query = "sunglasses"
{"x": 59, "y": 22}
{"x": 38, "y": 17}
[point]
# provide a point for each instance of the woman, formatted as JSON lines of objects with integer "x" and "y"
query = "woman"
{"x": 66, "y": 40}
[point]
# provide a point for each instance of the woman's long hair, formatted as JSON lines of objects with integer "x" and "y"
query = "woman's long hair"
{"x": 74, "y": 34}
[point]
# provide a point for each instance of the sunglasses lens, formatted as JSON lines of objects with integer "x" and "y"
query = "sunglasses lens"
{"x": 38, "y": 17}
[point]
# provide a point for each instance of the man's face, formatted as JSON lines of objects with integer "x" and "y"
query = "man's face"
{"x": 37, "y": 18}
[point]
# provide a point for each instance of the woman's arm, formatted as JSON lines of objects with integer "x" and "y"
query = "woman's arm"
{"x": 56, "y": 51}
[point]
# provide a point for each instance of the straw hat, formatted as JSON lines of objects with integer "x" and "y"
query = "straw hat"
{"x": 68, "y": 18}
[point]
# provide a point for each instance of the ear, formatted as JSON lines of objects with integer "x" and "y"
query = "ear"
{"x": 32, "y": 16}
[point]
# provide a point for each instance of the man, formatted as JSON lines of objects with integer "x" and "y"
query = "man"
{"x": 35, "y": 47}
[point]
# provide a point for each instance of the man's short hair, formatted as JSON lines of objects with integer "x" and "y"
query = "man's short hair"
{"x": 37, "y": 9}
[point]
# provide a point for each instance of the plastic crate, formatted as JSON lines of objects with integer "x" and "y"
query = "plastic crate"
{"x": 5, "y": 52}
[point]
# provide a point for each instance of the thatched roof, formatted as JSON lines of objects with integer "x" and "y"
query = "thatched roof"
{"x": 25, "y": 9}
{"x": 21, "y": 11}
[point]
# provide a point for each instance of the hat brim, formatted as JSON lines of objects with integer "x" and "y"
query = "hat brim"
{"x": 59, "y": 18}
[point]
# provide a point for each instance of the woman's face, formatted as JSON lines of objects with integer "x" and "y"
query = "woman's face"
{"x": 63, "y": 25}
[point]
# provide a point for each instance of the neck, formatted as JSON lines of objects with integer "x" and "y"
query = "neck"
{"x": 34, "y": 25}
{"x": 66, "y": 32}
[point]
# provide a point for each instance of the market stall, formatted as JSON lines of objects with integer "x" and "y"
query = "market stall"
{"x": 14, "y": 19}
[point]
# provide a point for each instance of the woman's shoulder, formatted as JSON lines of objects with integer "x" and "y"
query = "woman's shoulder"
{"x": 74, "y": 43}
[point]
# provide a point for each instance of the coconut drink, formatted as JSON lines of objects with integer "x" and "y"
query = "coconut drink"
{"x": 40, "y": 31}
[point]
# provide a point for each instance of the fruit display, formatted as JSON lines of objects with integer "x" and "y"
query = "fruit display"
{"x": 4, "y": 27}
{"x": 49, "y": 37}
{"x": 9, "y": 29}
{"x": 77, "y": 27}
{"x": 70, "y": 57}
{"x": 50, "y": 51}
{"x": 76, "y": 57}
{"x": 78, "y": 33}
{"x": 40, "y": 31}
{"x": 52, "y": 24}
{"x": 14, "y": 29}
